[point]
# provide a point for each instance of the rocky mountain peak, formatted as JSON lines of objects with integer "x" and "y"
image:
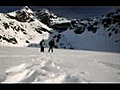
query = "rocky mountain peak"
{"x": 27, "y": 9}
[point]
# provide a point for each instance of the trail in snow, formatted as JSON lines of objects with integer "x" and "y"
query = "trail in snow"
{"x": 42, "y": 69}
{"x": 30, "y": 65}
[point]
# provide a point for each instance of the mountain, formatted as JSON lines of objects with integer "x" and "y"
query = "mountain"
{"x": 25, "y": 27}
{"x": 20, "y": 28}
{"x": 23, "y": 15}
{"x": 95, "y": 33}
{"x": 52, "y": 20}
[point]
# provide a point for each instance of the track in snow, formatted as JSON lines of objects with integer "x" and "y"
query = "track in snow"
{"x": 60, "y": 66}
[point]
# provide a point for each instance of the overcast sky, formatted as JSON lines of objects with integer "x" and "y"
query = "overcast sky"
{"x": 69, "y": 11}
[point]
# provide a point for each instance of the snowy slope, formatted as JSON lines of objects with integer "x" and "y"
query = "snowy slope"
{"x": 96, "y": 34}
{"x": 89, "y": 41}
{"x": 26, "y": 28}
{"x": 93, "y": 33}
{"x": 24, "y": 32}
{"x": 62, "y": 66}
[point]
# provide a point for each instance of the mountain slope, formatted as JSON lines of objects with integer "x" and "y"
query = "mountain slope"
{"x": 95, "y": 33}
{"x": 26, "y": 28}
{"x": 20, "y": 28}
{"x": 49, "y": 18}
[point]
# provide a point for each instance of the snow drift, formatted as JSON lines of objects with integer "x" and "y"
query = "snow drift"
{"x": 28, "y": 65}
{"x": 44, "y": 71}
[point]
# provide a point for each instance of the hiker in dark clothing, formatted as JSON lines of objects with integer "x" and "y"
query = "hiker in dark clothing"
{"x": 51, "y": 45}
{"x": 42, "y": 43}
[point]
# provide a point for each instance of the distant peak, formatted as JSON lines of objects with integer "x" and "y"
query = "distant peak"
{"x": 25, "y": 7}
{"x": 45, "y": 10}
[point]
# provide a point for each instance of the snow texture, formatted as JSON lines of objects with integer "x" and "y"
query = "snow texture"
{"x": 24, "y": 33}
{"x": 63, "y": 66}
{"x": 20, "y": 64}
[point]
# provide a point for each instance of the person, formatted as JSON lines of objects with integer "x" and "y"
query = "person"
{"x": 51, "y": 45}
{"x": 42, "y": 43}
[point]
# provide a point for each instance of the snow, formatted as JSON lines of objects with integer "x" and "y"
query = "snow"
{"x": 31, "y": 35}
{"x": 77, "y": 66}
{"x": 59, "y": 20}
{"x": 99, "y": 41}
{"x": 43, "y": 25}
{"x": 91, "y": 41}
{"x": 25, "y": 8}
{"x": 12, "y": 13}
{"x": 62, "y": 66}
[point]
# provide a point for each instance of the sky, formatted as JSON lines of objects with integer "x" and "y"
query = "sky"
{"x": 69, "y": 11}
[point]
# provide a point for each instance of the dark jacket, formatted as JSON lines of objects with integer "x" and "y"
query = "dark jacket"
{"x": 42, "y": 43}
{"x": 52, "y": 43}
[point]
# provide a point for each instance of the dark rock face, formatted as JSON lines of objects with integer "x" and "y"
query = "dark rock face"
{"x": 79, "y": 30}
{"x": 13, "y": 40}
{"x": 47, "y": 17}
{"x": 27, "y": 41}
{"x": 44, "y": 16}
{"x": 61, "y": 27}
{"x": 23, "y": 16}
{"x": 10, "y": 40}
{"x": 92, "y": 28}
{"x": 38, "y": 30}
{"x": 6, "y": 25}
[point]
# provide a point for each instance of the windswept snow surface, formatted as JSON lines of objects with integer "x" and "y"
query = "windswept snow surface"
{"x": 21, "y": 65}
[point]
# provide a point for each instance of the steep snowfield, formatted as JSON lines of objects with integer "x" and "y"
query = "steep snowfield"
{"x": 24, "y": 33}
{"x": 72, "y": 66}
{"x": 89, "y": 41}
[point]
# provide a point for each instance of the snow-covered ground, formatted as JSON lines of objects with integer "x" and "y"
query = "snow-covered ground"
{"x": 19, "y": 64}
